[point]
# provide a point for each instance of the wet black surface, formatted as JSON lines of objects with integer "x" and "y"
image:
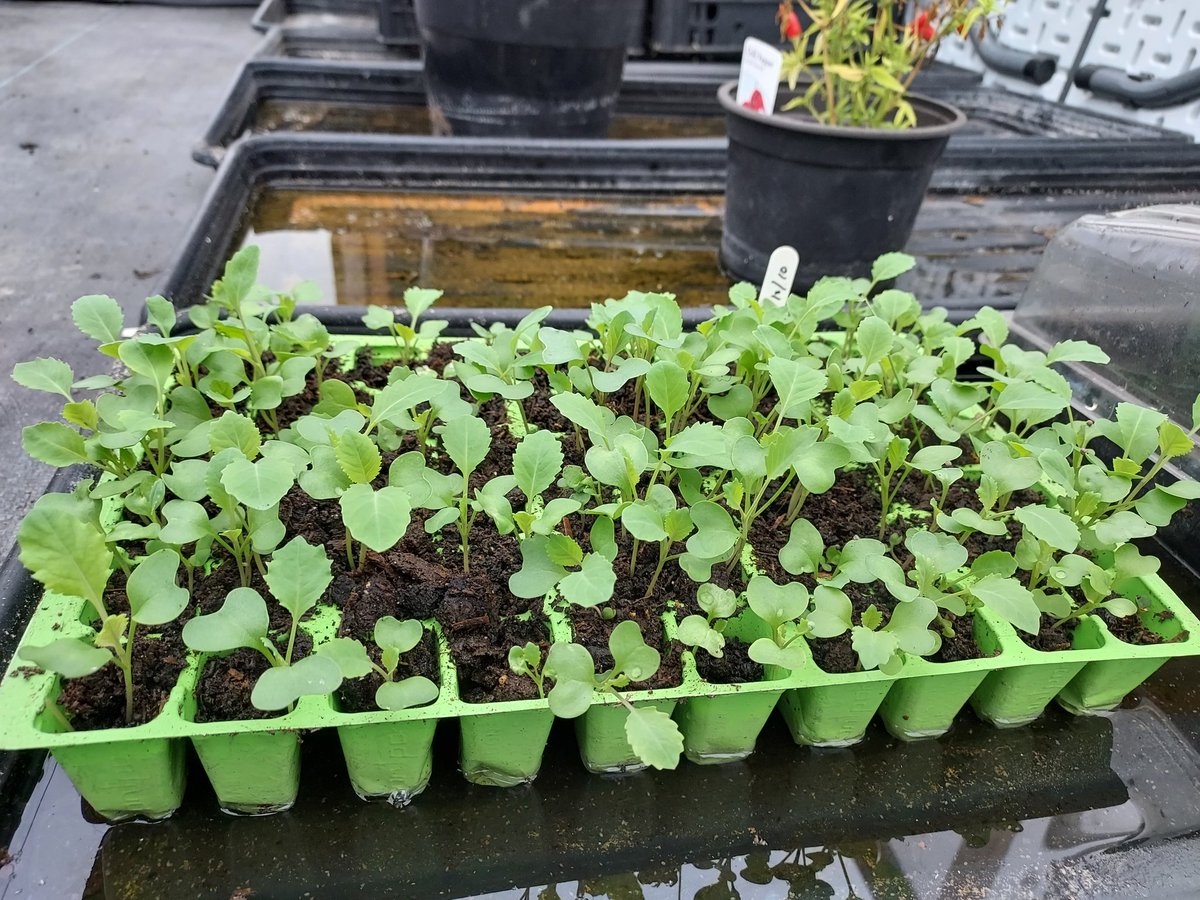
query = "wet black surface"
{"x": 1067, "y": 807}
{"x": 490, "y": 249}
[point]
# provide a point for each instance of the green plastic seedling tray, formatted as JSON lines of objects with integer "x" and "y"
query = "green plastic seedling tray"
{"x": 1097, "y": 674}
{"x": 253, "y": 765}
{"x": 722, "y": 722}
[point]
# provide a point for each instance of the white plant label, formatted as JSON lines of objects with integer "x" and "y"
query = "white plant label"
{"x": 781, "y": 272}
{"x": 758, "y": 80}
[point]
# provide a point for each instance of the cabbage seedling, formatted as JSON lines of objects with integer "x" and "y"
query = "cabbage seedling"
{"x": 67, "y": 553}
{"x": 298, "y": 575}
{"x": 393, "y": 638}
{"x": 408, "y": 337}
{"x": 706, "y": 631}
{"x": 652, "y": 734}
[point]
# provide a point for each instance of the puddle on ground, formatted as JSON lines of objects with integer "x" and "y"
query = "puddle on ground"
{"x": 507, "y": 250}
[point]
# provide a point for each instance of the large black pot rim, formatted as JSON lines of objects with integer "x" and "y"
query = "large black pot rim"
{"x": 802, "y": 124}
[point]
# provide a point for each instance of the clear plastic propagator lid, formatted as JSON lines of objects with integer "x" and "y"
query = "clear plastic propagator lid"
{"x": 1128, "y": 282}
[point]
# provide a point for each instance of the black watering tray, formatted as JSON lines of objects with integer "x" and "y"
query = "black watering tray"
{"x": 503, "y": 226}
{"x": 1063, "y": 808}
{"x": 319, "y": 16}
{"x": 338, "y": 41}
{"x": 1009, "y": 137}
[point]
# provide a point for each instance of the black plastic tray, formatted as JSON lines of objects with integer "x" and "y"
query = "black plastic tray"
{"x": 1012, "y": 142}
{"x": 318, "y": 15}
{"x": 344, "y": 85}
{"x": 973, "y": 248}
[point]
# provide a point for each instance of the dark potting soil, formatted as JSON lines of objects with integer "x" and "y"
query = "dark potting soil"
{"x": 850, "y": 510}
{"x": 209, "y": 592}
{"x": 592, "y": 631}
{"x": 479, "y": 646}
{"x": 366, "y": 371}
{"x": 676, "y": 584}
{"x": 482, "y": 619}
{"x": 292, "y": 408}
{"x": 423, "y": 579}
{"x": 317, "y": 521}
{"x": 734, "y": 667}
{"x": 98, "y": 700}
{"x": 961, "y": 645}
{"x": 226, "y": 682}
{"x": 836, "y": 655}
{"x": 440, "y": 355}
{"x": 1050, "y": 637}
{"x": 1131, "y": 630}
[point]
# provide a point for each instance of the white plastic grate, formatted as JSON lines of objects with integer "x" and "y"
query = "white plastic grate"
{"x": 1145, "y": 38}
{"x": 1154, "y": 38}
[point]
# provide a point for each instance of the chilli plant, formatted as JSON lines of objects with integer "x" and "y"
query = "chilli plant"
{"x": 856, "y": 60}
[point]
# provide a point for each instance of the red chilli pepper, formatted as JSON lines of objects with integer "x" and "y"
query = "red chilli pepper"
{"x": 791, "y": 26}
{"x": 789, "y": 22}
{"x": 755, "y": 103}
{"x": 922, "y": 27}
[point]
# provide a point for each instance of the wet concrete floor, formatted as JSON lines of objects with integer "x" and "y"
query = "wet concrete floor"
{"x": 99, "y": 106}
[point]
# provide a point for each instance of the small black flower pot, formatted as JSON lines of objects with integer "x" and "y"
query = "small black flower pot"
{"x": 840, "y": 195}
{"x": 524, "y": 68}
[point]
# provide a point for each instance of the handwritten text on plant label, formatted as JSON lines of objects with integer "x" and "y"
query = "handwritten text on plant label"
{"x": 781, "y": 272}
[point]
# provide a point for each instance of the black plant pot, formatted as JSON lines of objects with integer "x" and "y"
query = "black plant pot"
{"x": 840, "y": 195}
{"x": 525, "y": 68}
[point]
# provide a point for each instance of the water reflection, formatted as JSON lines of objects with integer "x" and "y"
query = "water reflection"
{"x": 412, "y": 117}
{"x": 490, "y": 251}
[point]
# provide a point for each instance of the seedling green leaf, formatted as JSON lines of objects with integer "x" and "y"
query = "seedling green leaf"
{"x": 45, "y": 374}
{"x": 281, "y": 686}
{"x": 466, "y": 441}
{"x": 654, "y": 737}
{"x": 99, "y": 317}
{"x": 358, "y": 457}
{"x": 241, "y": 621}
{"x": 54, "y": 443}
{"x": 154, "y": 597}
{"x": 592, "y": 585}
{"x": 298, "y": 575}
{"x": 65, "y": 553}
{"x": 536, "y": 462}
{"x": 416, "y": 690}
{"x": 259, "y": 485}
{"x": 69, "y": 657}
{"x": 1050, "y": 525}
{"x": 376, "y": 518}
